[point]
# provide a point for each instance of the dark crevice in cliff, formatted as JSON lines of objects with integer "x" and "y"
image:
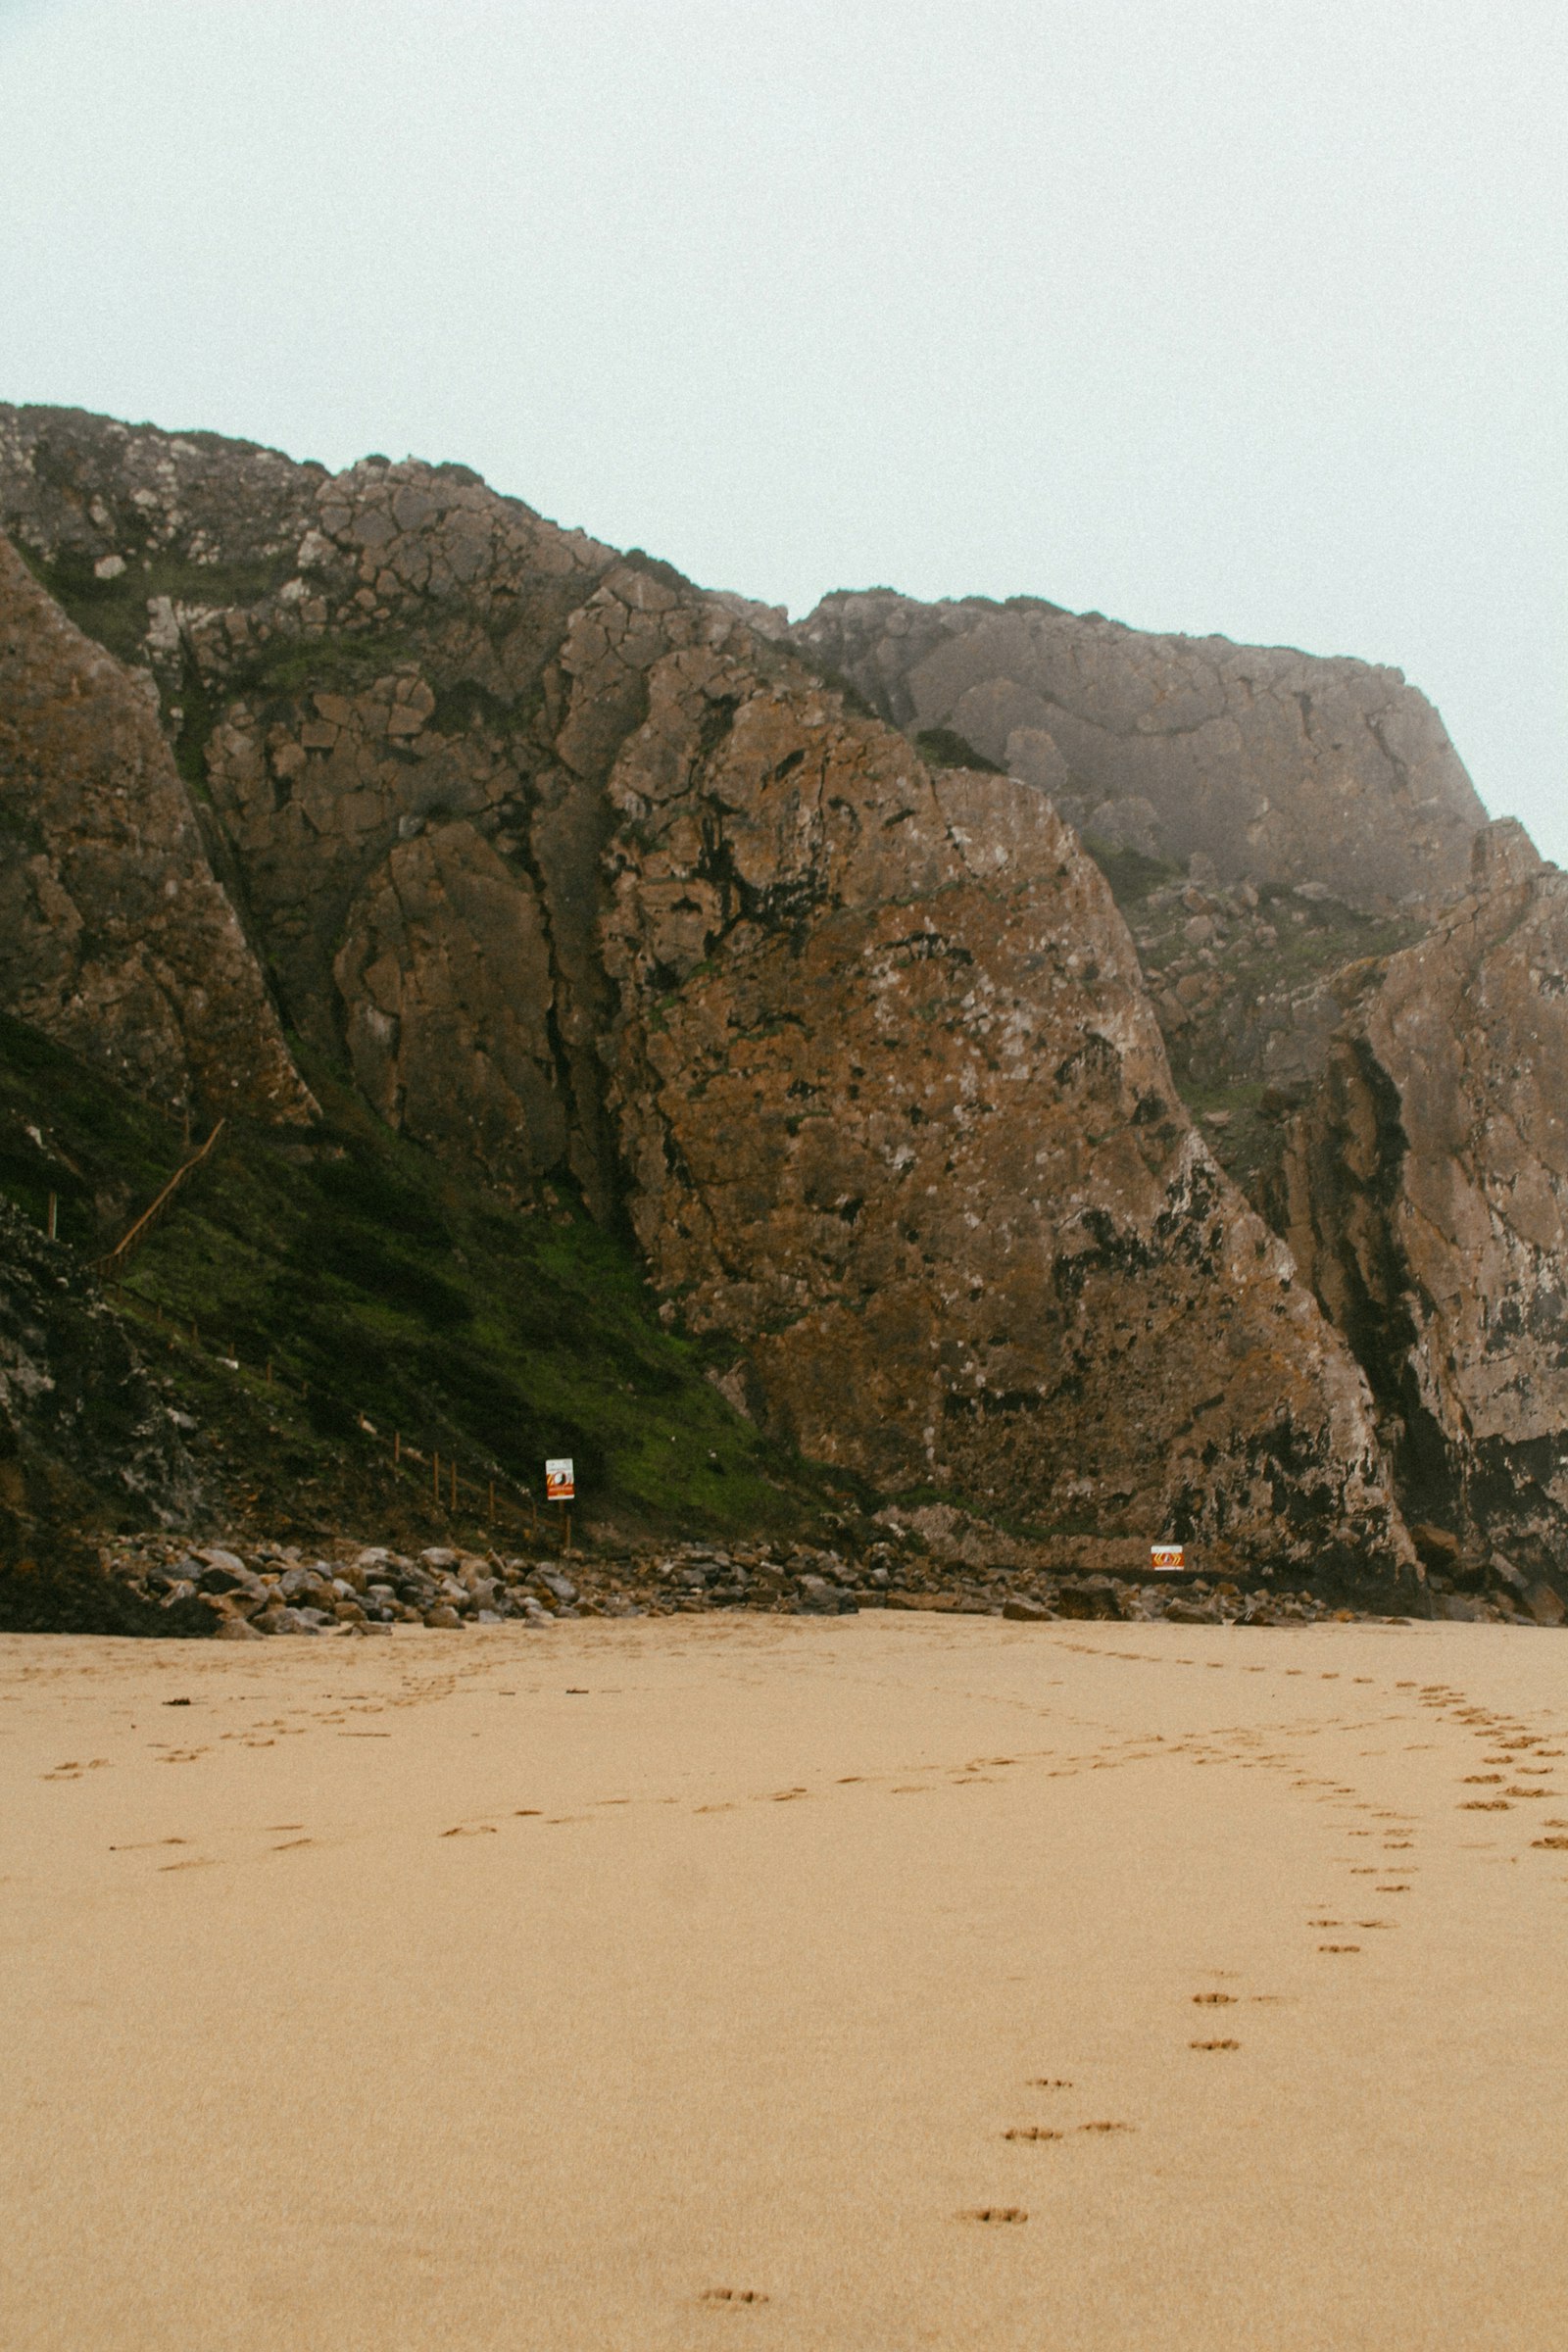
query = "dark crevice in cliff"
{"x": 1371, "y": 1297}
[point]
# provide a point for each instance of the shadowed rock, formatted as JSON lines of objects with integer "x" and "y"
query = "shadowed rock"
{"x": 1426, "y": 1194}
{"x": 86, "y": 1443}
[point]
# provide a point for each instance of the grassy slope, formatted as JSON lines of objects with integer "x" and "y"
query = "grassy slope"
{"x": 384, "y": 1289}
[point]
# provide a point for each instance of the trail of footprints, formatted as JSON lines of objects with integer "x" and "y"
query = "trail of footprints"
{"x": 1518, "y": 1758}
{"x": 1036, "y": 2133}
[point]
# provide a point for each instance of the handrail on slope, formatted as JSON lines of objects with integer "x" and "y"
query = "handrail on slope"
{"x": 113, "y": 1261}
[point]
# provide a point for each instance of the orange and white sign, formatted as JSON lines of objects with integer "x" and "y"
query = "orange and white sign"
{"x": 1164, "y": 1557}
{"x": 559, "y": 1485}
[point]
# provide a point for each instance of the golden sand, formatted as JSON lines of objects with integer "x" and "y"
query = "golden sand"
{"x": 866, "y": 1984}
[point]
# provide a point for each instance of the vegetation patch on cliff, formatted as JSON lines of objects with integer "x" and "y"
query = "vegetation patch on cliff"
{"x": 317, "y": 1303}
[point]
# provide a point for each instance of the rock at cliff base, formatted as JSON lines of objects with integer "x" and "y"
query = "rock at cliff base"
{"x": 1426, "y": 1195}
{"x": 86, "y": 1445}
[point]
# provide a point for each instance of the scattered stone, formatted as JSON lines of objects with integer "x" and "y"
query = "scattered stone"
{"x": 1182, "y": 1611}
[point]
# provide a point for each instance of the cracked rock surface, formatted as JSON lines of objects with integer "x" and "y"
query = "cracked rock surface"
{"x": 1425, "y": 1193}
{"x": 1276, "y": 765}
{"x": 115, "y": 935}
{"x": 592, "y": 880}
{"x": 899, "y": 1120}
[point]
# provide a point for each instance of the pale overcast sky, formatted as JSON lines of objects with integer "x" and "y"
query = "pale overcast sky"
{"x": 1219, "y": 315}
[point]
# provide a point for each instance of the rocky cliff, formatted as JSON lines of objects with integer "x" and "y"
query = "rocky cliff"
{"x": 605, "y": 889}
{"x": 1276, "y": 767}
{"x": 898, "y": 1121}
{"x": 1425, "y": 1194}
{"x": 115, "y": 935}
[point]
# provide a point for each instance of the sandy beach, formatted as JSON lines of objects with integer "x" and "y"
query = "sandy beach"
{"x": 874, "y": 1982}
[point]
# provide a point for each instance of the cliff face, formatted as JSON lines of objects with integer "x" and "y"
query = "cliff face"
{"x": 114, "y": 935}
{"x": 372, "y": 677}
{"x": 591, "y": 882}
{"x": 1277, "y": 767}
{"x": 899, "y": 1122}
{"x": 1426, "y": 1195}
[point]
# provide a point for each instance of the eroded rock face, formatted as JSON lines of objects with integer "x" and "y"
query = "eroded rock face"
{"x": 401, "y": 692}
{"x": 588, "y": 881}
{"x": 898, "y": 1121}
{"x": 1426, "y": 1194}
{"x": 87, "y": 1442}
{"x": 1277, "y": 767}
{"x": 114, "y": 935}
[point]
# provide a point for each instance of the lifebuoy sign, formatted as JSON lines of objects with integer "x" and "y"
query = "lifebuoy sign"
{"x": 558, "y": 1484}
{"x": 1164, "y": 1557}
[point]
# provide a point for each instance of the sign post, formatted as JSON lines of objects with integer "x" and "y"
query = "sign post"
{"x": 1166, "y": 1559}
{"x": 560, "y": 1486}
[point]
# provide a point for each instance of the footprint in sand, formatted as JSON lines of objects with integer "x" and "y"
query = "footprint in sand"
{"x": 995, "y": 2213}
{"x": 1557, "y": 1845}
{"x": 1339, "y": 1947}
{"x": 732, "y": 2294}
{"x": 1107, "y": 2127}
{"x": 1050, "y": 2082}
{"x": 479, "y": 1829}
{"x": 1214, "y": 2000}
{"x": 1213, "y": 2046}
{"x": 1484, "y": 1804}
{"x": 1029, "y": 2132}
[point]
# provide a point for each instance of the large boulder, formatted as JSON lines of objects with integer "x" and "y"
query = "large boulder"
{"x": 1425, "y": 1194}
{"x": 1276, "y": 765}
{"x": 899, "y": 1124}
